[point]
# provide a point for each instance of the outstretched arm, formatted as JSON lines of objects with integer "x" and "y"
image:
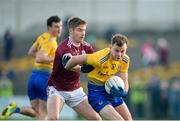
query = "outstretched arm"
{"x": 76, "y": 60}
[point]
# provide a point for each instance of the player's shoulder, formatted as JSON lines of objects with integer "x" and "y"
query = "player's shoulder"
{"x": 125, "y": 58}
{"x": 87, "y": 47}
{"x": 104, "y": 51}
{"x": 86, "y": 44}
{"x": 103, "y": 55}
{"x": 43, "y": 36}
{"x": 63, "y": 45}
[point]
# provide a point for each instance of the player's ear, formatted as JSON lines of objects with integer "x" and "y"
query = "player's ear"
{"x": 48, "y": 27}
{"x": 70, "y": 30}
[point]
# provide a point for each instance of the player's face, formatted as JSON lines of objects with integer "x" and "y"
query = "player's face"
{"x": 78, "y": 34}
{"x": 56, "y": 29}
{"x": 118, "y": 52}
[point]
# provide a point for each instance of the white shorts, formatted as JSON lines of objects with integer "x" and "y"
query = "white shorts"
{"x": 71, "y": 98}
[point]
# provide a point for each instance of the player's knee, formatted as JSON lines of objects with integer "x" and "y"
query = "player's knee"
{"x": 95, "y": 116}
{"x": 128, "y": 117}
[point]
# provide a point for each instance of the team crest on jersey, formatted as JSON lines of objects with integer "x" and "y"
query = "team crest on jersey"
{"x": 113, "y": 66}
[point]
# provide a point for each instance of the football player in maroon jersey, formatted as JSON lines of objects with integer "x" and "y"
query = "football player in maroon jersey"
{"x": 63, "y": 85}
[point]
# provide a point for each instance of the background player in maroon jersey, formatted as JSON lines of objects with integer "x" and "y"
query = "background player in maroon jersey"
{"x": 63, "y": 85}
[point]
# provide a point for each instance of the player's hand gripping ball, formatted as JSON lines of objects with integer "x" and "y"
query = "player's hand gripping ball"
{"x": 115, "y": 86}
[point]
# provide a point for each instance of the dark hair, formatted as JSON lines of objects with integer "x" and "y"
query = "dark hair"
{"x": 74, "y": 22}
{"x": 119, "y": 40}
{"x": 52, "y": 19}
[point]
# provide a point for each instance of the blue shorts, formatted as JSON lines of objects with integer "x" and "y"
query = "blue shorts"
{"x": 98, "y": 97}
{"x": 37, "y": 85}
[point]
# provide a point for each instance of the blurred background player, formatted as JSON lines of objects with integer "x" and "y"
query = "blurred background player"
{"x": 63, "y": 85}
{"x": 106, "y": 62}
{"x": 8, "y": 44}
{"x": 6, "y": 87}
{"x": 43, "y": 50}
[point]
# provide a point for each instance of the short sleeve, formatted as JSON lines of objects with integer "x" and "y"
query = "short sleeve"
{"x": 92, "y": 59}
{"x": 95, "y": 58}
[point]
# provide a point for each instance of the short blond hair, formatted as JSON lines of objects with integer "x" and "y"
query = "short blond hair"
{"x": 75, "y": 22}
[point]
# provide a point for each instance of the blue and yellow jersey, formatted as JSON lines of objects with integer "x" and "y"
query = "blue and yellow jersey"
{"x": 105, "y": 66}
{"x": 43, "y": 43}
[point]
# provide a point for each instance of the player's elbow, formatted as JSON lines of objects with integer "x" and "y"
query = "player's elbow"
{"x": 30, "y": 53}
{"x": 68, "y": 67}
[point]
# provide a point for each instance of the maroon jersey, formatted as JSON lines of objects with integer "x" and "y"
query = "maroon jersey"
{"x": 62, "y": 79}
